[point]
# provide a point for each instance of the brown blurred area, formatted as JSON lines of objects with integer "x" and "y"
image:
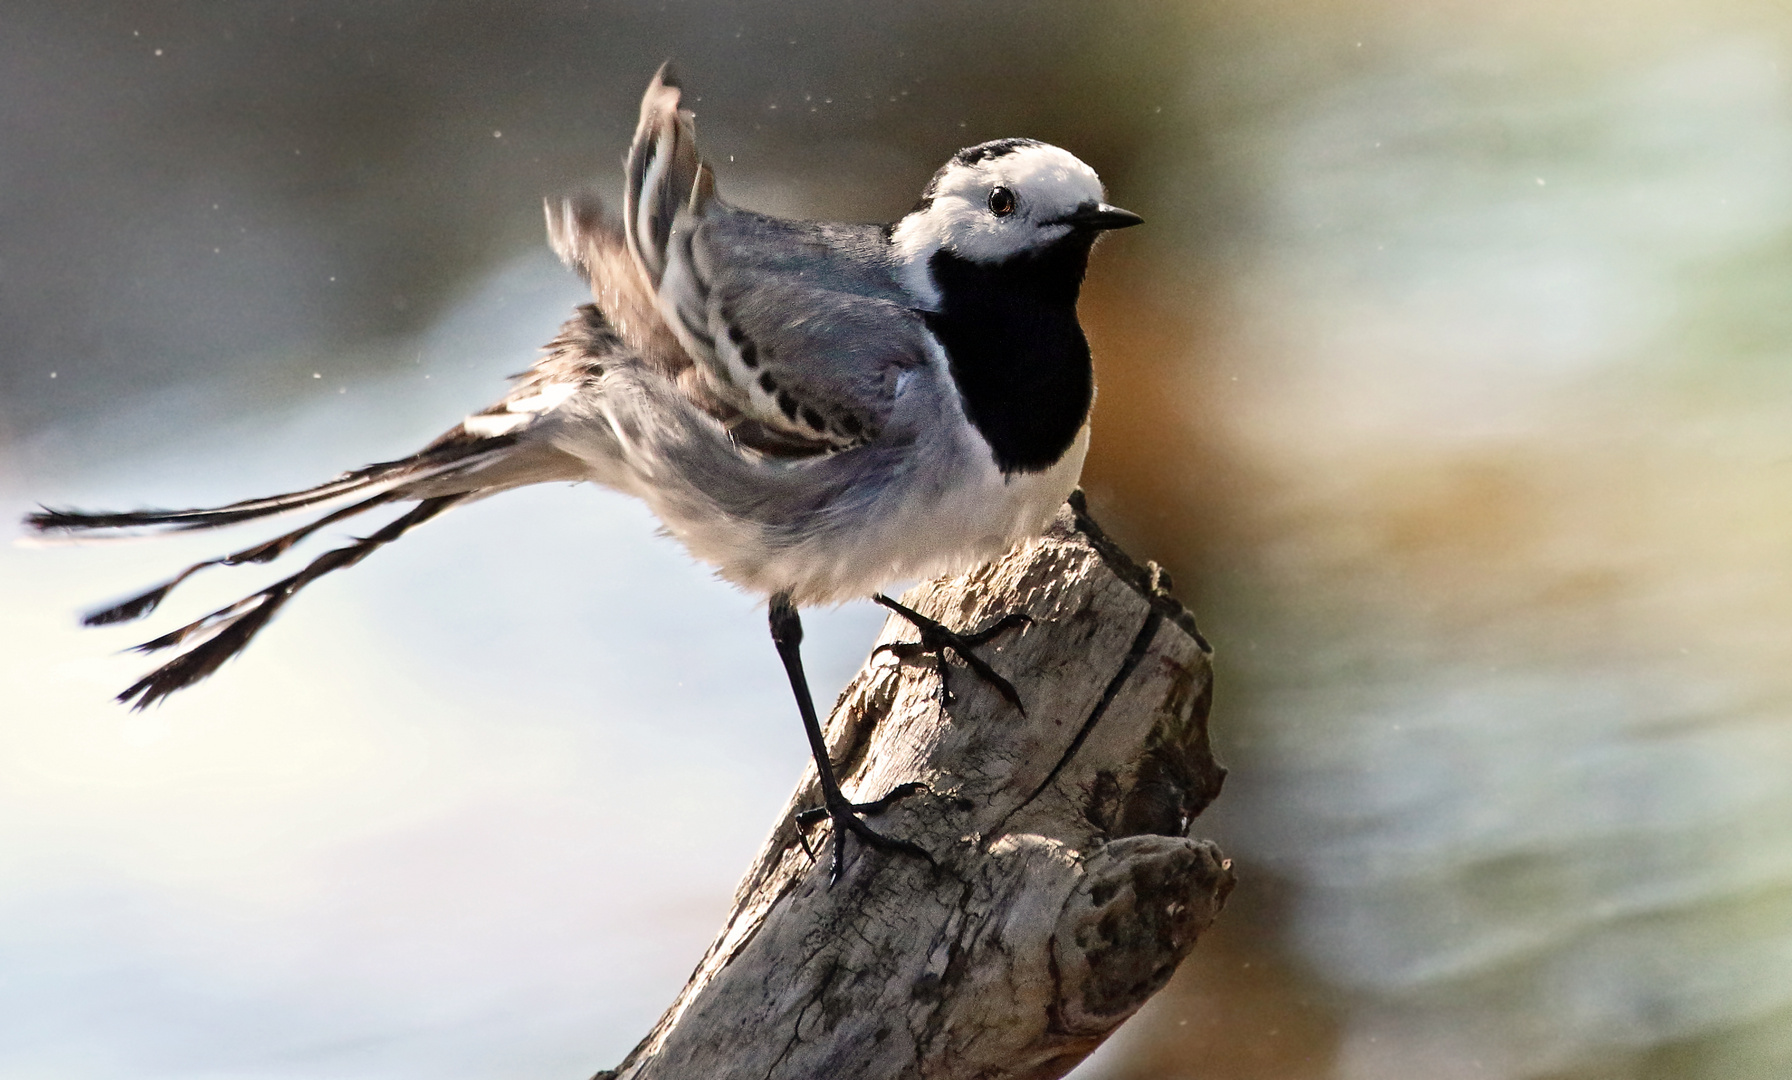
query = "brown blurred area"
{"x": 1449, "y": 378}
{"x": 1483, "y": 433}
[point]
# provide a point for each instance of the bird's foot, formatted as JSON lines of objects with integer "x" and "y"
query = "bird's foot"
{"x": 849, "y": 817}
{"x": 936, "y": 639}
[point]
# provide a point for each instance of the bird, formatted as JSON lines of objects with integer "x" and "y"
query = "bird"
{"x": 817, "y": 410}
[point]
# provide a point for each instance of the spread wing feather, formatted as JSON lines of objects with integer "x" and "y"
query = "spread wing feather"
{"x": 796, "y": 332}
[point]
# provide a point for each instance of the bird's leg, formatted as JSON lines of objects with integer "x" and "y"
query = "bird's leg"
{"x": 787, "y": 635}
{"x": 936, "y": 639}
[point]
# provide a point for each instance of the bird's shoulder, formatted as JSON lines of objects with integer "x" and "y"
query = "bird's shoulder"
{"x": 846, "y": 257}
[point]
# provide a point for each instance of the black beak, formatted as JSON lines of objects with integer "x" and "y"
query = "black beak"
{"x": 1100, "y": 216}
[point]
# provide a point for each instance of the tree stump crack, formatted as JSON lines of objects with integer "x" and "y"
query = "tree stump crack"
{"x": 1127, "y": 666}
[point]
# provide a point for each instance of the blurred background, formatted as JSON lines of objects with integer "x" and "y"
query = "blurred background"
{"x": 1449, "y": 377}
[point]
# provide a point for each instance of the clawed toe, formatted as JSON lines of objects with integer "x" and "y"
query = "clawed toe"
{"x": 848, "y": 817}
{"x": 1014, "y": 620}
{"x": 806, "y": 818}
{"x": 936, "y": 638}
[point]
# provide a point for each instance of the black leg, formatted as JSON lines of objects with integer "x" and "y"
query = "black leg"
{"x": 787, "y": 635}
{"x": 936, "y": 639}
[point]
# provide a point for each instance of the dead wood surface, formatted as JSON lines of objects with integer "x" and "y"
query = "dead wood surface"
{"x": 1066, "y": 890}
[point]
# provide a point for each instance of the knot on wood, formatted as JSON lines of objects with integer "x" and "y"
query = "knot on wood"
{"x": 1131, "y": 920}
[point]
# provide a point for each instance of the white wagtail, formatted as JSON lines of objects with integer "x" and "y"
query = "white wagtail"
{"x": 815, "y": 409}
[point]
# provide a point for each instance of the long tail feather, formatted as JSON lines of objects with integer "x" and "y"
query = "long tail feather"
{"x": 454, "y": 452}
{"x": 491, "y": 451}
{"x": 267, "y": 551}
{"x": 227, "y": 631}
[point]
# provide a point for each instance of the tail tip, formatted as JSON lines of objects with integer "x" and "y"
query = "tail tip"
{"x": 130, "y": 610}
{"x": 45, "y": 519}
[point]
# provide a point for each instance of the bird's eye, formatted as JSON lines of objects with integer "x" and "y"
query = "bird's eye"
{"x": 1001, "y": 202}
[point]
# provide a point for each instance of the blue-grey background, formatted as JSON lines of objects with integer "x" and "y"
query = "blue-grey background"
{"x": 1449, "y": 377}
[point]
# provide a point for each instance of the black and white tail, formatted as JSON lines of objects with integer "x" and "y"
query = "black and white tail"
{"x": 488, "y": 452}
{"x": 224, "y": 633}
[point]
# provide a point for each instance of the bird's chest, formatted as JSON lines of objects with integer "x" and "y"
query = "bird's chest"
{"x": 1019, "y": 360}
{"x": 1024, "y": 376}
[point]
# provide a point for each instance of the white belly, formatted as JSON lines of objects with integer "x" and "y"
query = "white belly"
{"x": 911, "y": 530}
{"x": 826, "y": 530}
{"x": 917, "y": 536}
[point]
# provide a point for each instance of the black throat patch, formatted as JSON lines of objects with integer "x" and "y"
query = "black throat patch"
{"x": 1018, "y": 354}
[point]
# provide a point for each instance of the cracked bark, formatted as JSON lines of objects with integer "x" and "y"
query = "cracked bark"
{"x": 1067, "y": 890}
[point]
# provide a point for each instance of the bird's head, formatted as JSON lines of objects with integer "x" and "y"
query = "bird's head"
{"x": 1005, "y": 199}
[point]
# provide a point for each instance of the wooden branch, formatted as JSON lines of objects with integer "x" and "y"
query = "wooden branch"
{"x": 1066, "y": 891}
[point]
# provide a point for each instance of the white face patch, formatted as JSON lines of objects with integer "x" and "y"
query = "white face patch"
{"x": 1046, "y": 184}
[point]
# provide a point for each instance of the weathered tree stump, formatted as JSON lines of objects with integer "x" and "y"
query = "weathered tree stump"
{"x": 1066, "y": 891}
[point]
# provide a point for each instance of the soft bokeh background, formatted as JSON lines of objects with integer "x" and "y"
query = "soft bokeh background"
{"x": 1449, "y": 377}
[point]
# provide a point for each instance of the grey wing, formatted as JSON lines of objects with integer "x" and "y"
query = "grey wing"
{"x": 795, "y": 333}
{"x": 800, "y": 326}
{"x": 811, "y": 362}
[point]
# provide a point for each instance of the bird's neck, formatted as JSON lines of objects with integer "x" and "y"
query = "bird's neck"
{"x": 1018, "y": 355}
